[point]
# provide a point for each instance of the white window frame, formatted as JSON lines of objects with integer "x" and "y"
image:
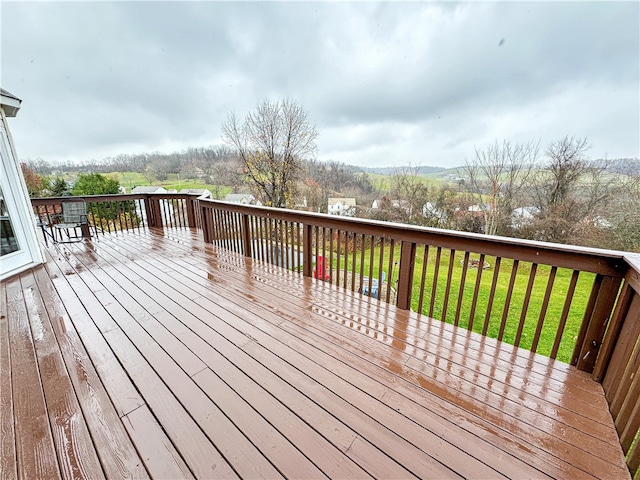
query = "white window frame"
{"x": 18, "y": 204}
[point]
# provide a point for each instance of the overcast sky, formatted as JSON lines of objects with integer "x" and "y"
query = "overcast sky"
{"x": 386, "y": 84}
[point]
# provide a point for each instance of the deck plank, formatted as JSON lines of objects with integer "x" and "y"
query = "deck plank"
{"x": 426, "y": 467}
{"x": 351, "y": 304}
{"x": 195, "y": 448}
{"x": 35, "y": 451}
{"x": 8, "y": 465}
{"x": 507, "y": 384}
{"x": 77, "y": 457}
{"x": 117, "y": 454}
{"x": 158, "y": 453}
{"x": 229, "y": 439}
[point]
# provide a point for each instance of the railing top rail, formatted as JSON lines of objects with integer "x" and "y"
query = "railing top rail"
{"x": 606, "y": 262}
{"x": 633, "y": 274}
{"x": 113, "y": 198}
{"x": 87, "y": 198}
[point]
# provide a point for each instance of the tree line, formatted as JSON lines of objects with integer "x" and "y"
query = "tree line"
{"x": 506, "y": 188}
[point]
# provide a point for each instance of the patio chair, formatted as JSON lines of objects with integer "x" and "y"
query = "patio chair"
{"x": 74, "y": 217}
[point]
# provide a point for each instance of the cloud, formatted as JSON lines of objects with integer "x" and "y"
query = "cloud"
{"x": 386, "y": 83}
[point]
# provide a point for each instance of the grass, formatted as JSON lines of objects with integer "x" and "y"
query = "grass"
{"x": 515, "y": 306}
{"x": 383, "y": 183}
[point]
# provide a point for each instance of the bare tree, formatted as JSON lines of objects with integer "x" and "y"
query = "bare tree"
{"x": 566, "y": 165}
{"x": 496, "y": 177}
{"x": 411, "y": 193}
{"x": 622, "y": 211}
{"x": 573, "y": 195}
{"x": 271, "y": 143}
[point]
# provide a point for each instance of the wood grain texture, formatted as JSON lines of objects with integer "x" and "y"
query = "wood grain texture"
{"x": 8, "y": 466}
{"x": 117, "y": 454}
{"x": 35, "y": 451}
{"x": 158, "y": 453}
{"x": 197, "y": 451}
{"x": 77, "y": 457}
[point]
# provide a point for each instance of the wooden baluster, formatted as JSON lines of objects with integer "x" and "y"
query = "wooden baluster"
{"x": 405, "y": 274}
{"x": 525, "y": 304}
{"x": 476, "y": 289}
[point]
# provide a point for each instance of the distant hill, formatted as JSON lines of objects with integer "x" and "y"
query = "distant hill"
{"x": 624, "y": 166}
{"x": 392, "y": 170}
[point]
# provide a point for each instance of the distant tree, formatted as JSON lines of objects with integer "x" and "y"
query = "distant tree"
{"x": 497, "y": 177}
{"x": 36, "y": 184}
{"x": 316, "y": 199}
{"x": 39, "y": 166}
{"x": 411, "y": 192}
{"x": 59, "y": 187}
{"x": 227, "y": 173}
{"x": 95, "y": 184}
{"x": 389, "y": 210}
{"x": 621, "y": 216}
{"x": 271, "y": 143}
{"x": 571, "y": 192}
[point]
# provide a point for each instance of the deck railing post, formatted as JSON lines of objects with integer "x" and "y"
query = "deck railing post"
{"x": 595, "y": 322}
{"x": 157, "y": 213}
{"x": 307, "y": 250}
{"x": 405, "y": 274}
{"x": 148, "y": 208}
{"x": 206, "y": 229}
{"x": 191, "y": 211}
{"x": 246, "y": 235}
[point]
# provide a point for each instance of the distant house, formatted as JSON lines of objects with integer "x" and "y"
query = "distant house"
{"x": 145, "y": 189}
{"x": 400, "y": 204}
{"x": 479, "y": 208}
{"x": 342, "y": 206}
{"x": 429, "y": 210}
{"x": 523, "y": 216}
{"x": 201, "y": 192}
{"x": 242, "y": 198}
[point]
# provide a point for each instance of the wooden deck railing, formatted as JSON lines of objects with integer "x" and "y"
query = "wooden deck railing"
{"x": 578, "y": 305}
{"x": 113, "y": 213}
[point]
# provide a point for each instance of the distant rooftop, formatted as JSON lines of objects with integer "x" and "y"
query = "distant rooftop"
{"x": 197, "y": 191}
{"x": 344, "y": 201}
{"x": 148, "y": 189}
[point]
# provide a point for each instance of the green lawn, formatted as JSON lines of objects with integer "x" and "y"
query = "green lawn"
{"x": 383, "y": 183}
{"x": 514, "y": 312}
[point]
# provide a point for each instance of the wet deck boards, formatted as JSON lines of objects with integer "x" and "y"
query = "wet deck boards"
{"x": 156, "y": 355}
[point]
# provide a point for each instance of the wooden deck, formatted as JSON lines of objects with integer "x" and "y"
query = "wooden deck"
{"x": 155, "y": 355}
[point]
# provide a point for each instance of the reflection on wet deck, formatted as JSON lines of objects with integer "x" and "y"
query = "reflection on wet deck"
{"x": 153, "y": 354}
